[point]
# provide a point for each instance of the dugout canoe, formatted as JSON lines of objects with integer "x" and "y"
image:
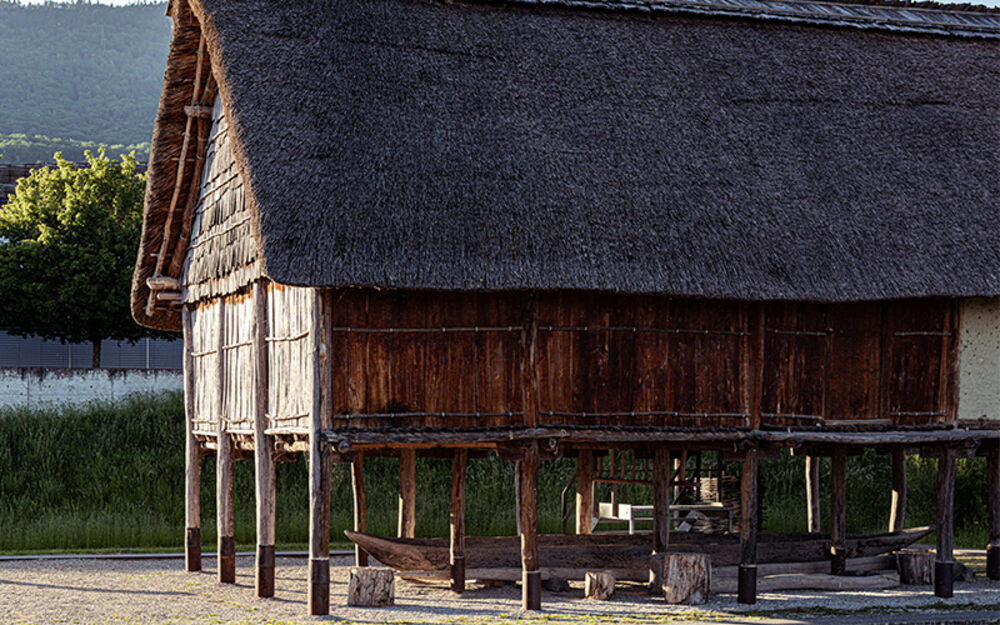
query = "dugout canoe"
{"x": 620, "y": 551}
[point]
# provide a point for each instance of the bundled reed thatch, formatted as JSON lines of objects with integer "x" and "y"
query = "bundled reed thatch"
{"x": 807, "y": 155}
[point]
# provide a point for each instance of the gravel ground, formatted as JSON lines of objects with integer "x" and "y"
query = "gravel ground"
{"x": 160, "y": 592}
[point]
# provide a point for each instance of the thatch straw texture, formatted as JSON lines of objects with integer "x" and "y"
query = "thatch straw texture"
{"x": 410, "y": 144}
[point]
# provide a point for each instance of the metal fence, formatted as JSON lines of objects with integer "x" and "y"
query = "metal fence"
{"x": 16, "y": 351}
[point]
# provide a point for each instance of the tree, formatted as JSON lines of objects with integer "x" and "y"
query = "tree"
{"x": 68, "y": 243}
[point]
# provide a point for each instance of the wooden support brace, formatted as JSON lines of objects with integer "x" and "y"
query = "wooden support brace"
{"x": 838, "y": 511}
{"x": 897, "y": 514}
{"x": 360, "y": 516}
{"x": 944, "y": 566}
{"x": 747, "y": 581}
{"x": 527, "y": 478}
{"x": 264, "y": 462}
{"x": 812, "y": 493}
{"x": 585, "y": 491}
{"x": 407, "y": 493}
{"x": 457, "y": 520}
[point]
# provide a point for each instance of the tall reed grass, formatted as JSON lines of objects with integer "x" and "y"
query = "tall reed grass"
{"x": 111, "y": 477}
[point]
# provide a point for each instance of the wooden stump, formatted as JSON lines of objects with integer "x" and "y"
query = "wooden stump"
{"x": 370, "y": 587}
{"x": 916, "y": 566}
{"x": 687, "y": 578}
{"x": 599, "y": 586}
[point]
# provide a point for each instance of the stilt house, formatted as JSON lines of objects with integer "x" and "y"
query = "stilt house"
{"x": 562, "y": 226}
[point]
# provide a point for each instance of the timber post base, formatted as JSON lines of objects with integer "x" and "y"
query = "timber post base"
{"x": 531, "y": 590}
{"x": 227, "y": 560}
{"x": 944, "y": 578}
{"x": 457, "y": 574}
{"x": 192, "y": 549}
{"x": 746, "y": 584}
{"x": 265, "y": 571}
{"x": 993, "y": 562}
{"x": 319, "y": 586}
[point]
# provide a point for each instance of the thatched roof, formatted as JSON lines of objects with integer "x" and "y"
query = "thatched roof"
{"x": 792, "y": 150}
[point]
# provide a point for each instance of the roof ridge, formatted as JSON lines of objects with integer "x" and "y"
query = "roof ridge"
{"x": 901, "y": 16}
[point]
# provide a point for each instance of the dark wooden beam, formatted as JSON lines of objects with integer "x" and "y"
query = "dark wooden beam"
{"x": 747, "y": 581}
{"x": 457, "y": 520}
{"x": 319, "y": 458}
{"x": 944, "y": 564}
{"x": 838, "y": 511}
{"x": 264, "y": 464}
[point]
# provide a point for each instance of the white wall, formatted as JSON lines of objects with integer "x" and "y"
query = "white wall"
{"x": 979, "y": 360}
{"x": 37, "y": 386}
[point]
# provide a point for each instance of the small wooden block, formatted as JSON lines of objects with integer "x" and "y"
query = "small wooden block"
{"x": 371, "y": 587}
{"x": 916, "y": 566}
{"x": 599, "y": 586}
{"x": 687, "y": 578}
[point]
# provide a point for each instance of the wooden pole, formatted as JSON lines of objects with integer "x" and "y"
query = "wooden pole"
{"x": 993, "y": 505}
{"x": 838, "y": 511}
{"x": 661, "y": 499}
{"x": 585, "y": 492}
{"x": 192, "y": 454}
{"x": 319, "y": 462}
{"x": 944, "y": 565}
{"x": 527, "y": 507}
{"x": 747, "y": 580}
{"x": 457, "y": 518}
{"x": 407, "y": 493}
{"x": 263, "y": 452}
{"x": 812, "y": 493}
{"x": 224, "y": 469}
{"x": 897, "y": 514}
{"x": 358, "y": 489}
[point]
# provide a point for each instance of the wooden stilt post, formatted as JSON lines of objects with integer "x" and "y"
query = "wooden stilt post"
{"x": 585, "y": 492}
{"x": 944, "y": 565}
{"x": 457, "y": 518}
{"x": 993, "y": 505}
{"x": 192, "y": 454}
{"x": 531, "y": 576}
{"x": 747, "y": 580}
{"x": 897, "y": 514}
{"x": 224, "y": 470}
{"x": 360, "y": 520}
{"x": 407, "y": 492}
{"x": 319, "y": 462}
{"x": 661, "y": 499}
{"x": 263, "y": 453}
{"x": 812, "y": 493}
{"x": 838, "y": 511}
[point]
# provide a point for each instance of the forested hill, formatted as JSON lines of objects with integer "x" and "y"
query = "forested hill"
{"x": 84, "y": 72}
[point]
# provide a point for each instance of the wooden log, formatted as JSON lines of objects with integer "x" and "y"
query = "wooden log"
{"x": 838, "y": 511}
{"x": 748, "y": 529}
{"x": 370, "y": 587}
{"x": 264, "y": 475}
{"x": 813, "y": 581}
{"x": 916, "y": 566}
{"x": 319, "y": 461}
{"x": 854, "y": 565}
{"x": 192, "y": 455}
{"x": 224, "y": 469}
{"x": 687, "y": 578}
{"x": 585, "y": 492}
{"x": 358, "y": 491}
{"x": 812, "y": 493}
{"x": 993, "y": 506}
{"x": 599, "y": 586}
{"x": 457, "y": 520}
{"x": 661, "y": 499}
{"x": 407, "y": 493}
{"x": 897, "y": 513}
{"x": 944, "y": 566}
{"x": 527, "y": 478}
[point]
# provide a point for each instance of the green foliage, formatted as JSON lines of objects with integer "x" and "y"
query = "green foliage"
{"x": 82, "y": 71}
{"x": 19, "y": 149}
{"x": 68, "y": 242}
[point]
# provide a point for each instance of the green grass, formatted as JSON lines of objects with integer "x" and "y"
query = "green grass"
{"x": 109, "y": 477}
